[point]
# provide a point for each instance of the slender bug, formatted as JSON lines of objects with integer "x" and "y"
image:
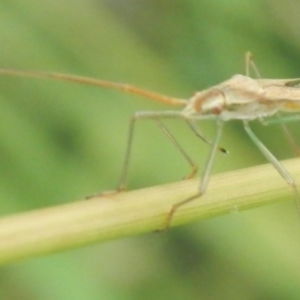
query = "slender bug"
{"x": 239, "y": 98}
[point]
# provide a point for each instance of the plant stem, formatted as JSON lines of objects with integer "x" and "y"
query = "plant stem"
{"x": 114, "y": 216}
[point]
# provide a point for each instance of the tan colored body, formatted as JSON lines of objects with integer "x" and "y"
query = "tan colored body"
{"x": 245, "y": 98}
{"x": 239, "y": 98}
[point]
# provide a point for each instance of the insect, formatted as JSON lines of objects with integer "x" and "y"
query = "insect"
{"x": 239, "y": 98}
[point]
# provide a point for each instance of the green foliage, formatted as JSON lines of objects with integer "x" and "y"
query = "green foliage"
{"x": 60, "y": 142}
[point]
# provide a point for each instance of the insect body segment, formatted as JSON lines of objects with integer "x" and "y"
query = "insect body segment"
{"x": 239, "y": 98}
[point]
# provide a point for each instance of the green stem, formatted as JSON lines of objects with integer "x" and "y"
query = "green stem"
{"x": 109, "y": 217}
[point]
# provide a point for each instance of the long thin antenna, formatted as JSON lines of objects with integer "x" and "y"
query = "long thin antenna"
{"x": 100, "y": 83}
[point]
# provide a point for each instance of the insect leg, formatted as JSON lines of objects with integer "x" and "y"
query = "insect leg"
{"x": 194, "y": 167}
{"x": 139, "y": 116}
{"x": 274, "y": 161}
{"x": 251, "y": 65}
{"x": 290, "y": 139}
{"x": 282, "y": 120}
{"x": 204, "y": 178}
{"x": 289, "y": 118}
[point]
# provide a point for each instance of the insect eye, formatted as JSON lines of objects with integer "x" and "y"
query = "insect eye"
{"x": 217, "y": 110}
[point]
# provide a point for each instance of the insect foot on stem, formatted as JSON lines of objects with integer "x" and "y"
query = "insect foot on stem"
{"x": 104, "y": 193}
{"x": 192, "y": 173}
{"x": 173, "y": 210}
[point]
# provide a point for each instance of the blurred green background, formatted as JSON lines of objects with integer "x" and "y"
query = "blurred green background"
{"x": 60, "y": 142}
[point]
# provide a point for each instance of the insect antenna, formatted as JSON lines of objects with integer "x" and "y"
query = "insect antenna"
{"x": 99, "y": 83}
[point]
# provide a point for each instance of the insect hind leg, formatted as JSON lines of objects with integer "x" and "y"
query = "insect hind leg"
{"x": 282, "y": 120}
{"x": 274, "y": 161}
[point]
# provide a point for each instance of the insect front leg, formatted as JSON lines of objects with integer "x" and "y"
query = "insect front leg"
{"x": 194, "y": 167}
{"x": 123, "y": 179}
{"x": 142, "y": 116}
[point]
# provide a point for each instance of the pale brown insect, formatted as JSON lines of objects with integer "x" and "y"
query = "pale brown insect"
{"x": 239, "y": 98}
